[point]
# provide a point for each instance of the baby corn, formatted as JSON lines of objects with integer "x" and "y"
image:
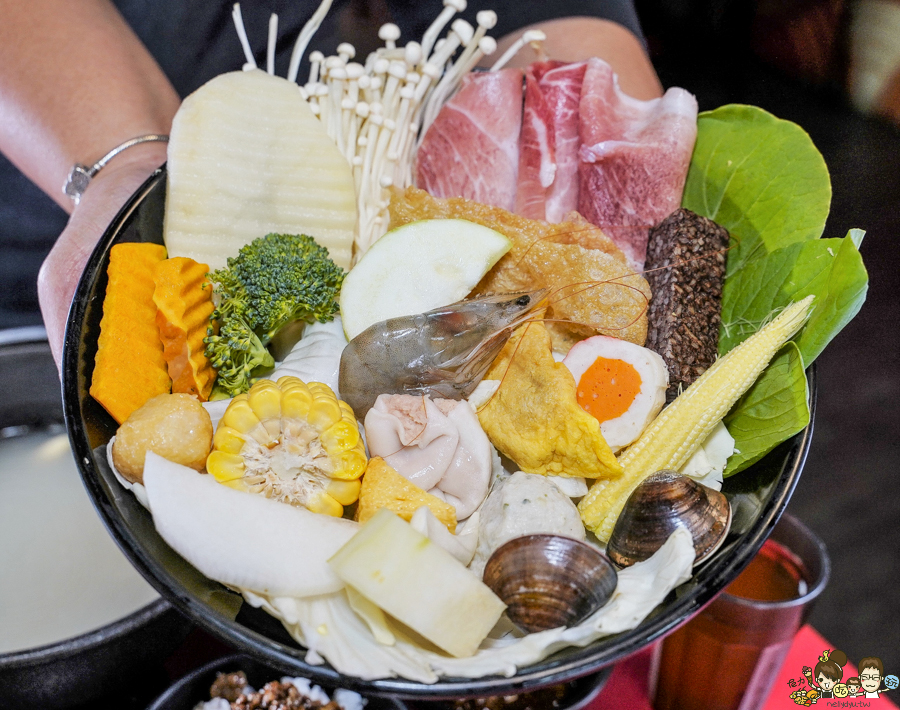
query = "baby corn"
{"x": 680, "y": 429}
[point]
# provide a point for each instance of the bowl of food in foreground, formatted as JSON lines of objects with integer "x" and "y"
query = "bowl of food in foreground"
{"x": 224, "y": 677}
{"x": 757, "y": 496}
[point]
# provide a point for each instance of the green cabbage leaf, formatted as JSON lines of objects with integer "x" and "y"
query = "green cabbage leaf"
{"x": 763, "y": 179}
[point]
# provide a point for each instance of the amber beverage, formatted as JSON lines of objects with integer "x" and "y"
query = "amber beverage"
{"x": 728, "y": 656}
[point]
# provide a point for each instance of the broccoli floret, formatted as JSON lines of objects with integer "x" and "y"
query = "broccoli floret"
{"x": 275, "y": 280}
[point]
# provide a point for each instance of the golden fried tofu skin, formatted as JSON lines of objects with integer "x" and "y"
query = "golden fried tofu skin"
{"x": 534, "y": 417}
{"x": 592, "y": 288}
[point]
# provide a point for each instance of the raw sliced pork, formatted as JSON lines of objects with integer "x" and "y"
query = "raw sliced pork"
{"x": 548, "y": 147}
{"x": 472, "y": 148}
{"x": 634, "y": 158}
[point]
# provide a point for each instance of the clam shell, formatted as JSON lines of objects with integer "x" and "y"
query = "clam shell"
{"x": 662, "y": 503}
{"x": 548, "y": 581}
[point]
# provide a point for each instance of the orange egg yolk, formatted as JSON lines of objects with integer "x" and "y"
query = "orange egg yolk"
{"x": 607, "y": 388}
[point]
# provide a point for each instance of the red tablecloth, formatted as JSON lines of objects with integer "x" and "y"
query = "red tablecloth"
{"x": 627, "y": 687}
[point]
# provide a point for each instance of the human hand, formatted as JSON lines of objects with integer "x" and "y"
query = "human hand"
{"x": 103, "y": 199}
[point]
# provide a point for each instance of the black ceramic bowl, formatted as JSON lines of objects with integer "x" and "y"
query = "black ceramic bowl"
{"x": 758, "y": 495}
{"x": 82, "y": 668}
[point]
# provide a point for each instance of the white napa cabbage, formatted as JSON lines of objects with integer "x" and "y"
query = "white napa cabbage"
{"x": 327, "y": 626}
{"x": 707, "y": 464}
{"x": 242, "y": 539}
{"x": 317, "y": 356}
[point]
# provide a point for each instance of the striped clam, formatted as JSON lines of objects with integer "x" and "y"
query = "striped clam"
{"x": 548, "y": 581}
{"x": 661, "y": 504}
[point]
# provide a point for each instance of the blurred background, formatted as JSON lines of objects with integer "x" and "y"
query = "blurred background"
{"x": 832, "y": 66}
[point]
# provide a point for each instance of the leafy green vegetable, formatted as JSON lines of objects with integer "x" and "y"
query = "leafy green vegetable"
{"x": 758, "y": 176}
{"x": 831, "y": 269}
{"x": 762, "y": 178}
{"x": 772, "y": 410}
{"x": 273, "y": 281}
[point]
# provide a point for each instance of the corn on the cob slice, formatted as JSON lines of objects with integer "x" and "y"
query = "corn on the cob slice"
{"x": 680, "y": 429}
{"x": 293, "y": 442}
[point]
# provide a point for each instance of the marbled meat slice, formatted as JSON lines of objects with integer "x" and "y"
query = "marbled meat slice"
{"x": 549, "y": 143}
{"x": 685, "y": 268}
{"x": 472, "y": 148}
{"x": 634, "y": 157}
{"x": 537, "y": 152}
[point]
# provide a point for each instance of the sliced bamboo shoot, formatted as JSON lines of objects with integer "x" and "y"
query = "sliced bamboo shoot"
{"x": 418, "y": 583}
{"x": 247, "y": 157}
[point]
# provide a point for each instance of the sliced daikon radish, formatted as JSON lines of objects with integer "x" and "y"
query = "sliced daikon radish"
{"x": 418, "y": 583}
{"x": 416, "y": 268}
{"x": 243, "y": 539}
{"x": 247, "y": 157}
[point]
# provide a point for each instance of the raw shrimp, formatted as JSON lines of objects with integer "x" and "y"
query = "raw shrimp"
{"x": 443, "y": 353}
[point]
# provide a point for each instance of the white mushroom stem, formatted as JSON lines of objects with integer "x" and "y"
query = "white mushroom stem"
{"x": 527, "y": 37}
{"x": 242, "y": 36}
{"x": 346, "y": 52}
{"x": 316, "y": 59}
{"x": 451, "y": 7}
{"x": 412, "y": 53}
{"x": 389, "y": 33}
{"x": 442, "y": 54}
{"x": 362, "y": 113}
{"x": 373, "y": 89}
{"x": 322, "y": 101}
{"x": 404, "y": 171}
{"x": 486, "y": 47}
{"x": 486, "y": 20}
{"x": 373, "y": 123}
{"x": 398, "y": 140}
{"x": 390, "y": 99}
{"x": 337, "y": 76}
{"x": 453, "y": 78}
{"x": 270, "y": 44}
{"x": 309, "y": 29}
{"x": 453, "y": 73}
{"x": 349, "y": 118}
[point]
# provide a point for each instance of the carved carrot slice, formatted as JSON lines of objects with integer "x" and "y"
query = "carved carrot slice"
{"x": 129, "y": 368}
{"x": 183, "y": 298}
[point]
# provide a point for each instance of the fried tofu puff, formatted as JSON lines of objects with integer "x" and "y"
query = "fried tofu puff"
{"x": 621, "y": 384}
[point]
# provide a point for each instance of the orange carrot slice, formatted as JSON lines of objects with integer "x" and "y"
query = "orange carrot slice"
{"x": 183, "y": 298}
{"x": 129, "y": 367}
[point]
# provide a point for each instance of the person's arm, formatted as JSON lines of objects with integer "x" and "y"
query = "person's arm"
{"x": 76, "y": 82}
{"x": 573, "y": 39}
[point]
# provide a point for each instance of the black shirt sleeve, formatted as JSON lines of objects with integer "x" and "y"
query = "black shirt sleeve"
{"x": 414, "y": 16}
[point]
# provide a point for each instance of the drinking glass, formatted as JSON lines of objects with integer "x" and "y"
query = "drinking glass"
{"x": 728, "y": 656}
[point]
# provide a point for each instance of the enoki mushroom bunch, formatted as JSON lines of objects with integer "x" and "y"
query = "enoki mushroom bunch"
{"x": 376, "y": 112}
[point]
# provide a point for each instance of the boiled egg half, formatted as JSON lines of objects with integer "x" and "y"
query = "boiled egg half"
{"x": 621, "y": 384}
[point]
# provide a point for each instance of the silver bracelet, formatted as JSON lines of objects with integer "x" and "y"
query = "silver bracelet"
{"x": 80, "y": 175}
